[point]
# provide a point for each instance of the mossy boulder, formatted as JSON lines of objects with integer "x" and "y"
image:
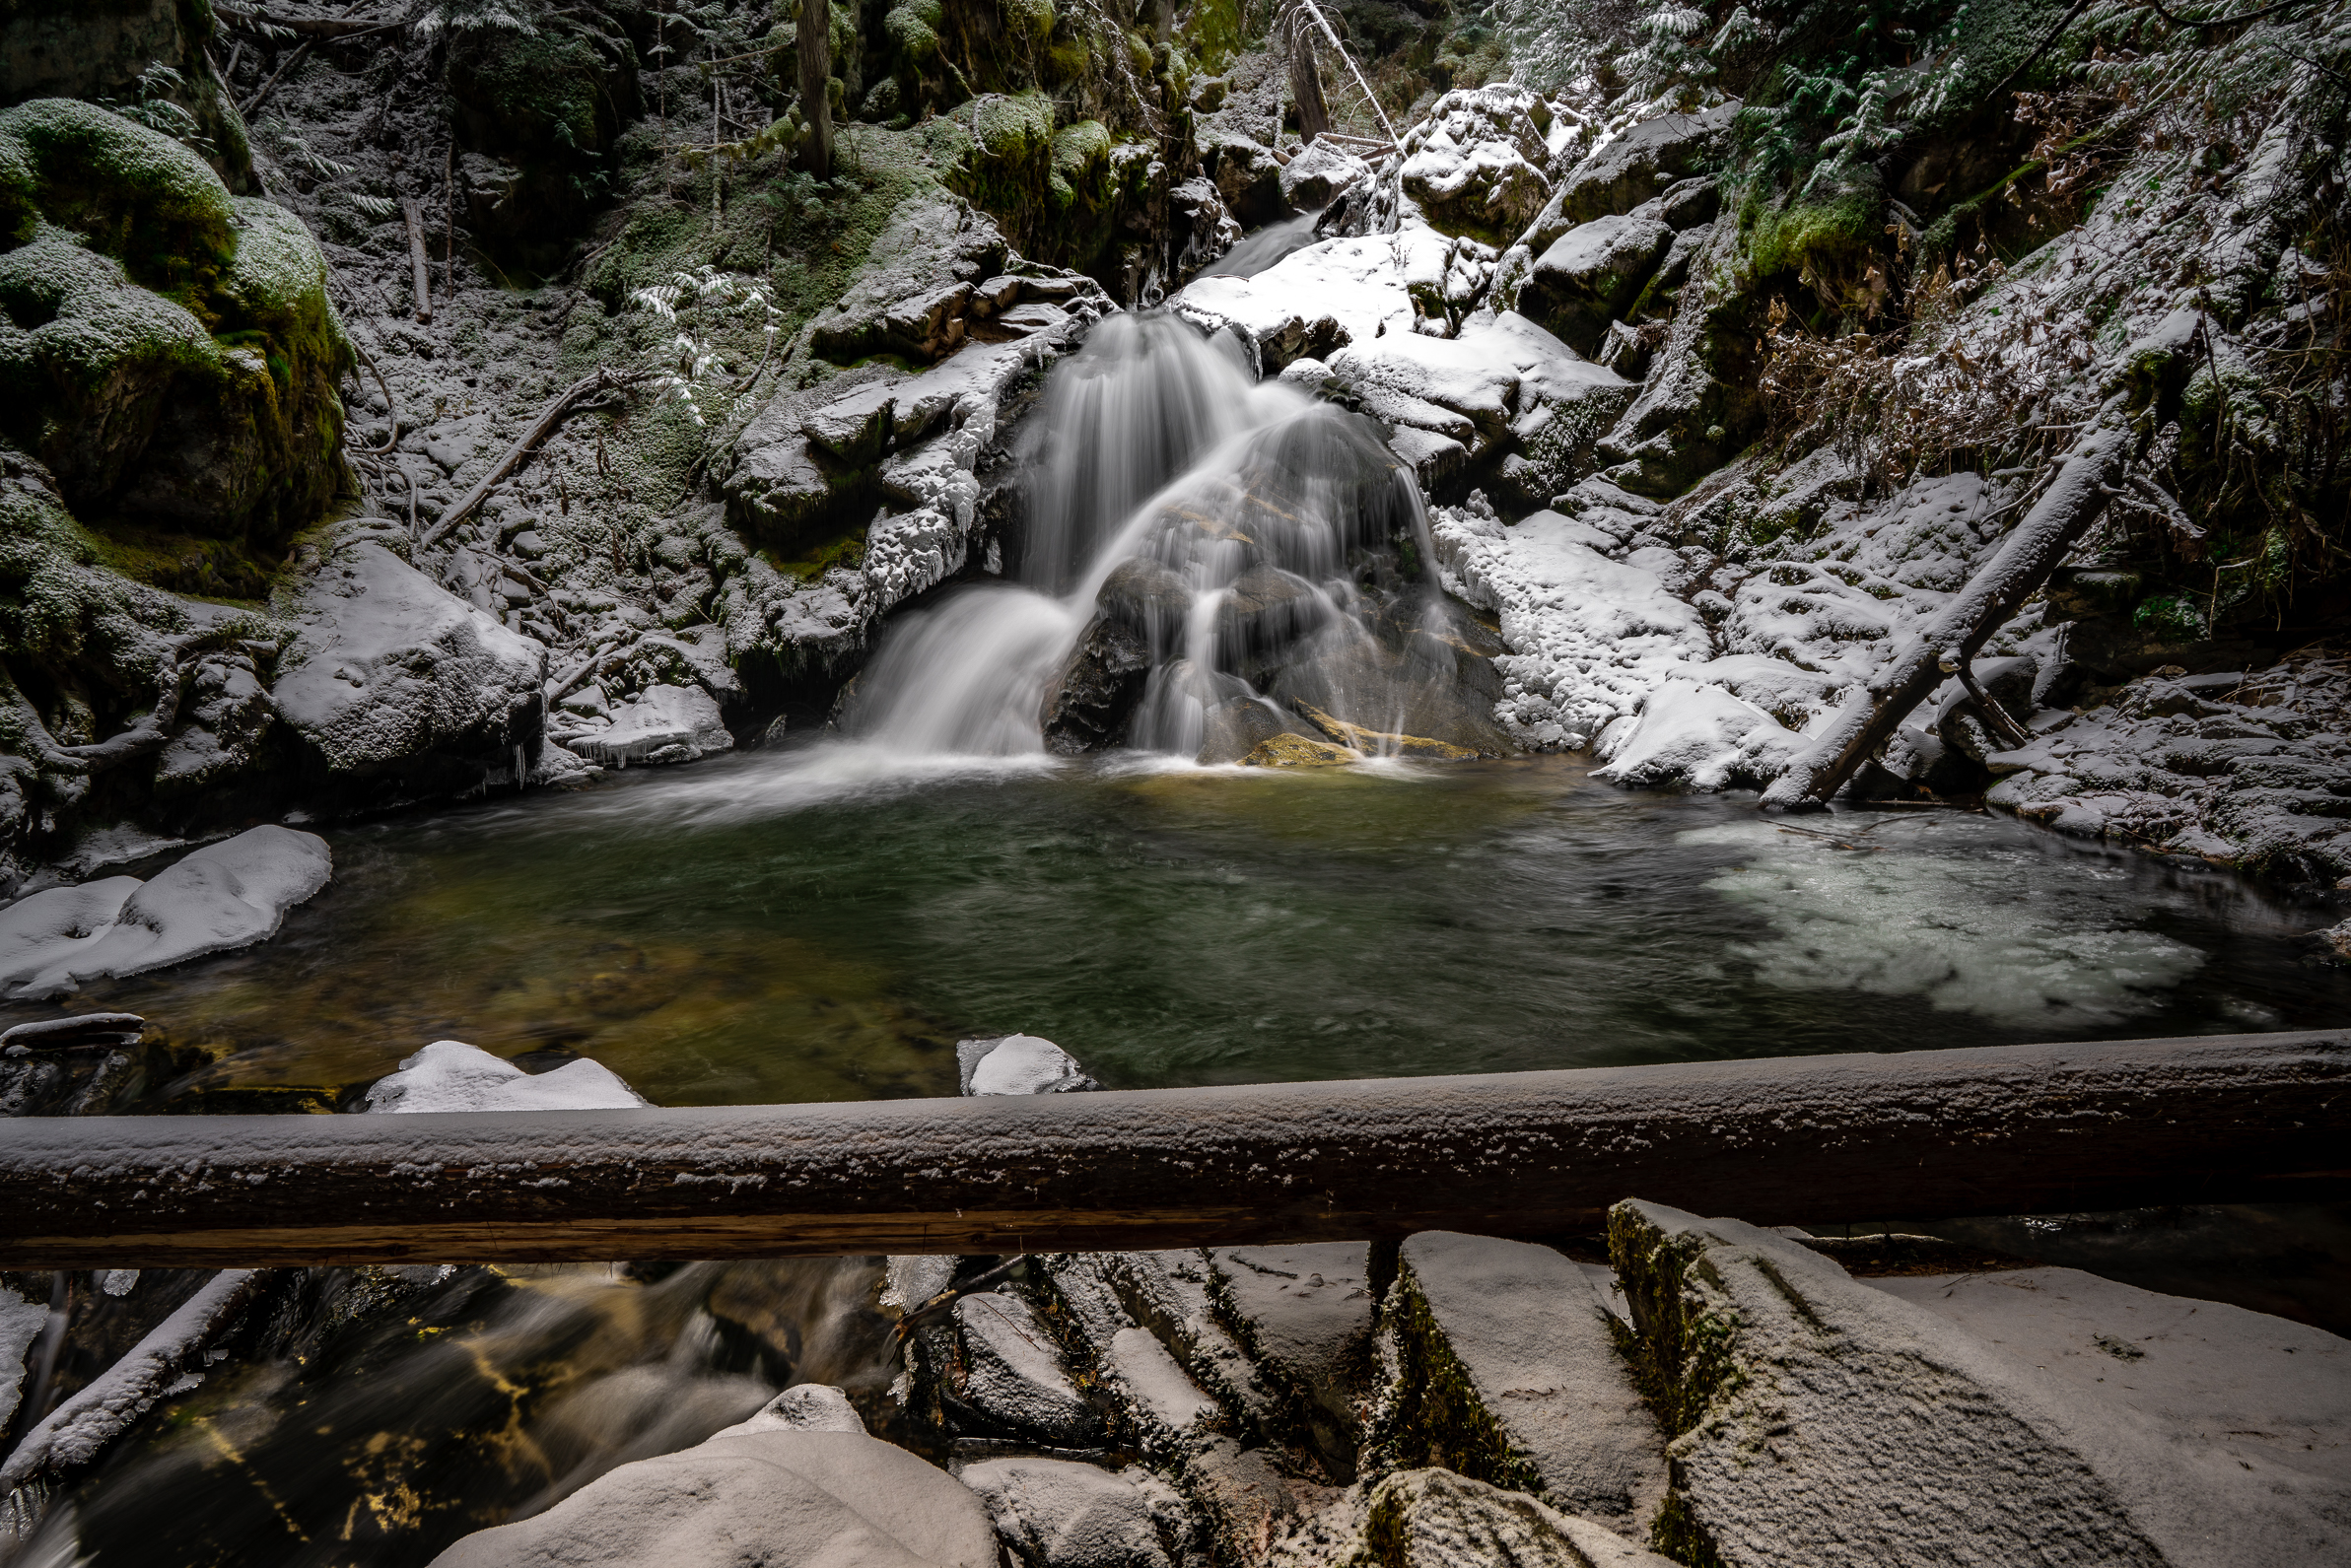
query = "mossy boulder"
{"x": 168, "y": 350}
{"x": 147, "y": 55}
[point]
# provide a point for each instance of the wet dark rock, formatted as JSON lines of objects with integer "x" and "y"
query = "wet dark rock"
{"x": 1248, "y": 178}
{"x": 1235, "y": 727}
{"x": 1147, "y": 598}
{"x": 1642, "y": 162}
{"x": 1591, "y": 275}
{"x": 1264, "y": 611}
{"x": 1689, "y": 203}
{"x": 1089, "y": 704}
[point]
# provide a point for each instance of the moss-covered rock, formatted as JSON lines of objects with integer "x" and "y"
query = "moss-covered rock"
{"x": 168, "y": 350}
{"x": 146, "y": 55}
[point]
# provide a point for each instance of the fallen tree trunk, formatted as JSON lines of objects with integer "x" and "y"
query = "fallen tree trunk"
{"x": 421, "y": 277}
{"x": 1815, "y": 1140}
{"x": 2075, "y": 500}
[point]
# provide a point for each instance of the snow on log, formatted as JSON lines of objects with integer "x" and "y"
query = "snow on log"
{"x": 1995, "y": 1130}
{"x": 73, "y": 1433}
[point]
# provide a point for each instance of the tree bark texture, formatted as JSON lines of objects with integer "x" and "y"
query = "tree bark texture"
{"x": 816, "y": 99}
{"x": 1798, "y": 1141}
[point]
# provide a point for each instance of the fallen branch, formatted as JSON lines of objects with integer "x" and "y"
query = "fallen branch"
{"x": 549, "y": 417}
{"x": 262, "y": 94}
{"x": 310, "y": 26}
{"x": 76, "y": 1431}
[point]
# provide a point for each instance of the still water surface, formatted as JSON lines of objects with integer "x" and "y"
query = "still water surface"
{"x": 823, "y": 923}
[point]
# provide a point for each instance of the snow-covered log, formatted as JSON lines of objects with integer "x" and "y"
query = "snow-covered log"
{"x": 2074, "y": 500}
{"x": 1995, "y": 1130}
{"x": 72, "y": 1433}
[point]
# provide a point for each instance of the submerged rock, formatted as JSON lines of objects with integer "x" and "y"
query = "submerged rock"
{"x": 228, "y": 895}
{"x": 1286, "y": 750}
{"x": 763, "y": 1497}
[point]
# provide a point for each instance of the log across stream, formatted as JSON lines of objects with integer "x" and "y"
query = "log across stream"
{"x": 2007, "y": 1129}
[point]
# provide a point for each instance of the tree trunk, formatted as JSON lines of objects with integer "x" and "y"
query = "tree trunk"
{"x": 816, "y": 71}
{"x": 420, "y": 269}
{"x": 2074, "y": 500}
{"x": 1306, "y": 83}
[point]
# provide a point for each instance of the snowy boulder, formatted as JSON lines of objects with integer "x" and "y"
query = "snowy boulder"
{"x": 1641, "y": 164}
{"x": 1817, "y": 1419}
{"x": 1307, "y": 1311}
{"x": 1310, "y": 179}
{"x": 1248, "y": 178}
{"x": 784, "y": 1497}
{"x": 802, "y": 1408}
{"x": 1701, "y": 736}
{"x": 1310, "y": 303}
{"x": 1436, "y": 1518}
{"x": 392, "y": 677}
{"x": 1018, "y": 1064}
{"x": 1591, "y": 275}
{"x": 451, "y": 1075}
{"x": 1510, "y": 1371}
{"x": 1011, "y": 1374}
{"x": 661, "y": 724}
{"x": 1474, "y": 165}
{"x": 228, "y": 895}
{"x": 1590, "y": 638}
{"x": 2223, "y": 1430}
{"x": 1060, "y": 1514}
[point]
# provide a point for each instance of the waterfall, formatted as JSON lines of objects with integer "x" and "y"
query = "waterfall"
{"x": 1203, "y": 559}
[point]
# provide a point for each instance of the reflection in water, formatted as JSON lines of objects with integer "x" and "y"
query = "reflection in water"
{"x": 414, "y": 1405}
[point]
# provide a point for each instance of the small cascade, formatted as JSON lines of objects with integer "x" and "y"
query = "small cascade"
{"x": 1208, "y": 562}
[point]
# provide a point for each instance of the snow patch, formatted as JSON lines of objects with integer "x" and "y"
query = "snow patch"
{"x": 451, "y": 1075}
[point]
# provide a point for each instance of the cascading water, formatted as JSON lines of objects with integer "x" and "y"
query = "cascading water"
{"x": 1206, "y": 559}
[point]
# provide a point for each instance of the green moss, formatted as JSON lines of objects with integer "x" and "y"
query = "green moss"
{"x": 1030, "y": 19}
{"x": 133, "y": 193}
{"x": 1212, "y": 32}
{"x": 1440, "y": 1419}
{"x": 912, "y": 26}
{"x": 1080, "y": 163}
{"x": 842, "y": 550}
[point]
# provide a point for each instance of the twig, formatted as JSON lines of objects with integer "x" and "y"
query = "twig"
{"x": 540, "y": 430}
{"x": 245, "y": 110}
{"x": 947, "y": 1298}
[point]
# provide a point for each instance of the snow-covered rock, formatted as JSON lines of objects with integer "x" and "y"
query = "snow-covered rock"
{"x": 802, "y": 1408}
{"x": 1310, "y": 179}
{"x": 228, "y": 895}
{"x": 392, "y": 677}
{"x": 778, "y": 1497}
{"x": 1474, "y": 164}
{"x": 1592, "y": 638}
{"x": 1591, "y": 275}
{"x": 1701, "y": 736}
{"x": 1312, "y": 301}
{"x": 1555, "y": 1408}
{"x": 451, "y": 1075}
{"x": 1018, "y": 1064}
{"x": 1012, "y": 1375}
{"x": 1828, "y": 1421}
{"x": 661, "y": 724}
{"x": 1436, "y": 1518}
{"x": 20, "y": 1323}
{"x": 1620, "y": 174}
{"x": 1306, "y": 1311}
{"x": 1060, "y": 1514}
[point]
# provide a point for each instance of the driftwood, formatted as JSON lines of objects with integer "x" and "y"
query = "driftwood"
{"x": 2074, "y": 500}
{"x": 419, "y": 269}
{"x": 540, "y": 429}
{"x": 1798, "y": 1141}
